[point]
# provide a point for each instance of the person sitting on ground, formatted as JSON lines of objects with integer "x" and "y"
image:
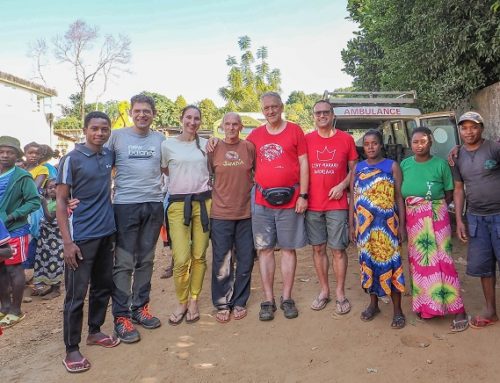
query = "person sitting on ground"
{"x": 18, "y": 198}
{"x": 89, "y": 241}
{"x": 377, "y": 226}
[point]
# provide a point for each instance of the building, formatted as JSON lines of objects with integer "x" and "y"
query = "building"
{"x": 26, "y": 110}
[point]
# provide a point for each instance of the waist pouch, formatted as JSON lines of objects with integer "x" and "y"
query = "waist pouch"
{"x": 278, "y": 196}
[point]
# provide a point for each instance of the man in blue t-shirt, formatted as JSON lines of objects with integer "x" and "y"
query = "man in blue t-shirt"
{"x": 88, "y": 237}
{"x": 477, "y": 179}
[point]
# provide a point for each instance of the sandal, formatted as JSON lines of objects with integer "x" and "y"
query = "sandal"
{"x": 223, "y": 316}
{"x": 78, "y": 366}
{"x": 459, "y": 325}
{"x": 267, "y": 310}
{"x": 11, "y": 320}
{"x": 239, "y": 312}
{"x": 320, "y": 303}
{"x": 398, "y": 321}
{"x": 477, "y": 322}
{"x": 343, "y": 307}
{"x": 178, "y": 317}
{"x": 369, "y": 314}
{"x": 193, "y": 319}
{"x": 106, "y": 342}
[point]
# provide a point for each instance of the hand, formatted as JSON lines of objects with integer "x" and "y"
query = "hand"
{"x": 336, "y": 192}
{"x": 462, "y": 232}
{"x": 453, "y": 155}
{"x": 71, "y": 254}
{"x": 211, "y": 144}
{"x": 352, "y": 234}
{"x": 300, "y": 205}
{"x": 73, "y": 204}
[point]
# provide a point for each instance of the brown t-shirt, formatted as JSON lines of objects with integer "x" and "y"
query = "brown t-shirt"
{"x": 232, "y": 166}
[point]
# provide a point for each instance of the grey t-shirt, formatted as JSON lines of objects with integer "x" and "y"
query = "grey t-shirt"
{"x": 479, "y": 170}
{"x": 137, "y": 166}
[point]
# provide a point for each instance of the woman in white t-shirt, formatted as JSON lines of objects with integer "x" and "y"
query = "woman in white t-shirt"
{"x": 184, "y": 159}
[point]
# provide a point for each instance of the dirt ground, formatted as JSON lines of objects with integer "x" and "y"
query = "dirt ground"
{"x": 317, "y": 346}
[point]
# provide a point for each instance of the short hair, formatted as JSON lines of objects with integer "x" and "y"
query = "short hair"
{"x": 424, "y": 130}
{"x": 144, "y": 99}
{"x": 231, "y": 113}
{"x": 271, "y": 94}
{"x": 32, "y": 144}
{"x": 95, "y": 114}
{"x": 322, "y": 101}
{"x": 47, "y": 152}
{"x": 376, "y": 133}
{"x": 186, "y": 108}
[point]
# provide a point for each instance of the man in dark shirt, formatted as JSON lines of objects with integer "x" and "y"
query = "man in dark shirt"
{"x": 477, "y": 179}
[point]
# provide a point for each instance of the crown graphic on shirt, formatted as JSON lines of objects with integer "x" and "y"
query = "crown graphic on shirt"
{"x": 325, "y": 154}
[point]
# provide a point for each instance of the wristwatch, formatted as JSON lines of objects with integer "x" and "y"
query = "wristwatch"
{"x": 304, "y": 195}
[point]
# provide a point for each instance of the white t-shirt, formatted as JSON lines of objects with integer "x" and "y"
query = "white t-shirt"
{"x": 187, "y": 166}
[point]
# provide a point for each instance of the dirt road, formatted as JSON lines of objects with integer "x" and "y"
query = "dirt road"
{"x": 317, "y": 346}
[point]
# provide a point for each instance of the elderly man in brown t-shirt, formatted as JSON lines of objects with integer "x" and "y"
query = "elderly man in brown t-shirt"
{"x": 231, "y": 163}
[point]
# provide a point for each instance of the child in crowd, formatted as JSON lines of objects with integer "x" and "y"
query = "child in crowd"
{"x": 85, "y": 175}
{"x": 377, "y": 226}
{"x": 46, "y": 155}
{"x": 18, "y": 198}
{"x": 49, "y": 261}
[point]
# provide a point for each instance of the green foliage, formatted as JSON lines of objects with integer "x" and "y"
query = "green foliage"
{"x": 249, "y": 78}
{"x": 444, "y": 49}
{"x": 298, "y": 108}
{"x": 166, "y": 114}
{"x": 68, "y": 124}
{"x": 209, "y": 113}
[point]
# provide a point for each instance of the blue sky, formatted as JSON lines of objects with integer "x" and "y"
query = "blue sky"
{"x": 180, "y": 47}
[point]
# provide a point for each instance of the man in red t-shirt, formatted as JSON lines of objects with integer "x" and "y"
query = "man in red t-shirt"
{"x": 332, "y": 157}
{"x": 281, "y": 161}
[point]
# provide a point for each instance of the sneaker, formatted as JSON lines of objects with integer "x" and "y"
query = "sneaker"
{"x": 267, "y": 310}
{"x": 288, "y": 306}
{"x": 125, "y": 330}
{"x": 143, "y": 317}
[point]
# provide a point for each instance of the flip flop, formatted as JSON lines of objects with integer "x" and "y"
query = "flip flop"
{"x": 78, "y": 366}
{"x": 477, "y": 322}
{"x": 368, "y": 315}
{"x": 179, "y": 317}
{"x": 343, "y": 307}
{"x": 398, "y": 322}
{"x": 223, "y": 316}
{"x": 459, "y": 325}
{"x": 193, "y": 320}
{"x": 107, "y": 342}
{"x": 320, "y": 303}
{"x": 11, "y": 320}
{"x": 239, "y": 312}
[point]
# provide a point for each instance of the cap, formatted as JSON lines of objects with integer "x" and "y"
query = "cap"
{"x": 471, "y": 116}
{"x": 11, "y": 142}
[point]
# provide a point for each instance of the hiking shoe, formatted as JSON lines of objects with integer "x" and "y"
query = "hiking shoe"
{"x": 143, "y": 317}
{"x": 267, "y": 310}
{"x": 288, "y": 306}
{"x": 125, "y": 330}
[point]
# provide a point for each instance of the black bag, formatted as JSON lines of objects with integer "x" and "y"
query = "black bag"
{"x": 277, "y": 196}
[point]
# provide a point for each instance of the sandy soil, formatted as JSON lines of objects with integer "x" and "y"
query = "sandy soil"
{"x": 317, "y": 346}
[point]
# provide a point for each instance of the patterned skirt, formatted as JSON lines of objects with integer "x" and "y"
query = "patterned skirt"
{"x": 49, "y": 260}
{"x": 435, "y": 284}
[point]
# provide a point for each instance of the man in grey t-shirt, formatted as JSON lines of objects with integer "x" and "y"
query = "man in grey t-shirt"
{"x": 138, "y": 208}
{"x": 477, "y": 177}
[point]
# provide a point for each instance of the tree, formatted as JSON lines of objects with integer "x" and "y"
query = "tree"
{"x": 179, "y": 104}
{"x": 248, "y": 80}
{"x": 76, "y": 49}
{"x": 209, "y": 113}
{"x": 455, "y": 52}
{"x": 298, "y": 108}
{"x": 38, "y": 52}
{"x": 165, "y": 110}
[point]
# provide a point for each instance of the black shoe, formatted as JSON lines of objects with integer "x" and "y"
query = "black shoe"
{"x": 125, "y": 330}
{"x": 143, "y": 317}
{"x": 288, "y": 306}
{"x": 267, "y": 310}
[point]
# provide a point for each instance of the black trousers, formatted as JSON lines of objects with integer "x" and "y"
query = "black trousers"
{"x": 95, "y": 269}
{"x": 233, "y": 258}
{"x": 138, "y": 228}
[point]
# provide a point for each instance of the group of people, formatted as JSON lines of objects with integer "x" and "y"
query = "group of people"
{"x": 278, "y": 189}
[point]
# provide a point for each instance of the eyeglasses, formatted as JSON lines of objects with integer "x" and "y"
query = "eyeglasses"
{"x": 145, "y": 112}
{"x": 319, "y": 113}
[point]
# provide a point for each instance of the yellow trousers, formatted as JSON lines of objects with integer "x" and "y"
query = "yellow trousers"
{"x": 189, "y": 247}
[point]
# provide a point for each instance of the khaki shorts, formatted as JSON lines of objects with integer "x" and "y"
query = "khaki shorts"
{"x": 329, "y": 227}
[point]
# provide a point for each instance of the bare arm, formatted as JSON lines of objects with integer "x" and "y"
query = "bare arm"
{"x": 301, "y": 205}
{"x": 40, "y": 180}
{"x": 459, "y": 200}
{"x": 352, "y": 228}
{"x": 448, "y": 196}
{"x": 398, "y": 180}
{"x": 71, "y": 250}
{"x": 46, "y": 213}
{"x": 5, "y": 251}
{"x": 337, "y": 191}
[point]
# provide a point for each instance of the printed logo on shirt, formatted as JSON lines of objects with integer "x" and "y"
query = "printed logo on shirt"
{"x": 490, "y": 164}
{"x": 232, "y": 159}
{"x": 270, "y": 152}
{"x": 141, "y": 152}
{"x": 325, "y": 154}
{"x": 428, "y": 195}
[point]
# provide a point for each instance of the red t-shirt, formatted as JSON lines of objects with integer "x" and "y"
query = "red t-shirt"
{"x": 328, "y": 167}
{"x": 277, "y": 160}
